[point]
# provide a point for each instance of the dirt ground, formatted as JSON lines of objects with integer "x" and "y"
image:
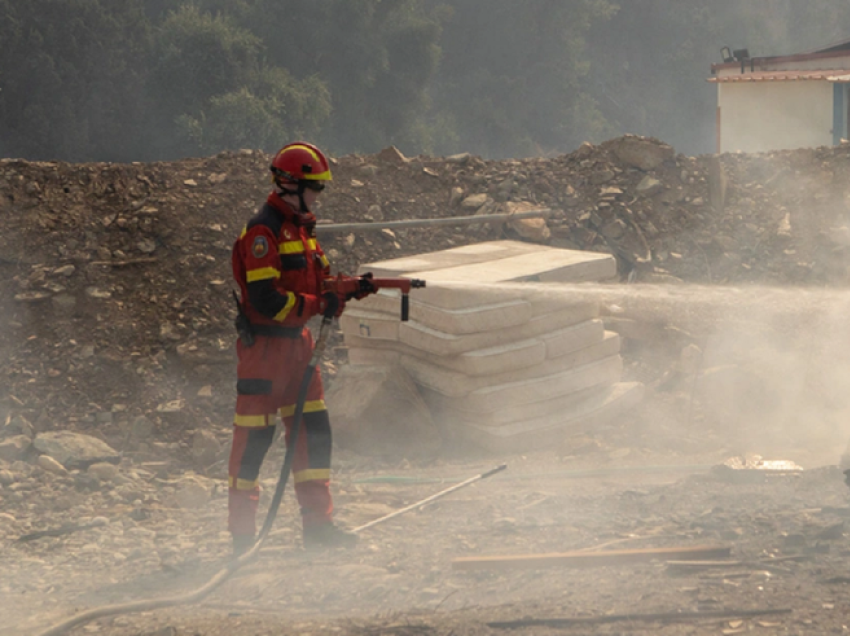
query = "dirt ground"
{"x": 116, "y": 323}
{"x": 786, "y": 534}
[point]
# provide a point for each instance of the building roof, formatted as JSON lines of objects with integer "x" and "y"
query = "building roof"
{"x": 834, "y": 51}
{"x": 831, "y": 75}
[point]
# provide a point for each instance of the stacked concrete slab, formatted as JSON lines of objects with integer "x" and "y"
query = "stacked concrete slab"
{"x": 508, "y": 370}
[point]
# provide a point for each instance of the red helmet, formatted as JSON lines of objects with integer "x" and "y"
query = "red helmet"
{"x": 300, "y": 163}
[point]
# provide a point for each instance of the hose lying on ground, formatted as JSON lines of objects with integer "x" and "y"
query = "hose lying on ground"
{"x": 226, "y": 572}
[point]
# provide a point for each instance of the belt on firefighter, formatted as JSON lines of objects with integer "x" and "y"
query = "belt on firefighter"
{"x": 277, "y": 331}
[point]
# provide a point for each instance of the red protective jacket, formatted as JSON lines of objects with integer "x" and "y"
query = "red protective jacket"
{"x": 279, "y": 267}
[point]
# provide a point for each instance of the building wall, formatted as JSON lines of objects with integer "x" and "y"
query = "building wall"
{"x": 761, "y": 116}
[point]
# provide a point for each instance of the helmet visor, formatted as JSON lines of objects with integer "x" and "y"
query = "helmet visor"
{"x": 315, "y": 186}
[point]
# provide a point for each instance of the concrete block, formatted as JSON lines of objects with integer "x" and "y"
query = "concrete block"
{"x": 473, "y": 319}
{"x": 552, "y": 265}
{"x": 454, "y": 257}
{"x": 498, "y": 397}
{"x": 370, "y": 325}
{"x": 481, "y": 317}
{"x": 563, "y": 341}
{"x": 463, "y": 295}
{"x": 597, "y": 410}
{"x": 506, "y": 360}
{"x": 508, "y": 364}
{"x": 422, "y": 338}
{"x": 500, "y": 261}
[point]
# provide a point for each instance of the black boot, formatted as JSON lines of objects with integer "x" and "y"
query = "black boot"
{"x": 241, "y": 544}
{"x": 327, "y": 535}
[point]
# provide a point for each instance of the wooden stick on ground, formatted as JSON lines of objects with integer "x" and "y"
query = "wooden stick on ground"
{"x": 590, "y": 559}
{"x": 657, "y": 617}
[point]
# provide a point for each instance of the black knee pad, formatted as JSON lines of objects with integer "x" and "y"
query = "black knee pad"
{"x": 317, "y": 428}
{"x": 258, "y": 444}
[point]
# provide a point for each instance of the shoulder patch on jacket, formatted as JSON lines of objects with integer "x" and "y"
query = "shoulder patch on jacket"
{"x": 260, "y": 247}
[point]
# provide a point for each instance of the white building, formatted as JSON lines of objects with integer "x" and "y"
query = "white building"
{"x": 782, "y": 102}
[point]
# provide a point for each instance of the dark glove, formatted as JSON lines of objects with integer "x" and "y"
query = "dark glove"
{"x": 331, "y": 304}
{"x": 365, "y": 287}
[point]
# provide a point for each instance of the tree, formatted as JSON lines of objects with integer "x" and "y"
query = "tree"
{"x": 378, "y": 59}
{"x": 510, "y": 75}
{"x": 72, "y": 78}
{"x": 278, "y": 110}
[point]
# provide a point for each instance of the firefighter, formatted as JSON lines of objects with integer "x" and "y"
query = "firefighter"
{"x": 280, "y": 268}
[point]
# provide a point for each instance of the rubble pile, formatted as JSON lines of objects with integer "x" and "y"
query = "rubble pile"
{"x": 118, "y": 315}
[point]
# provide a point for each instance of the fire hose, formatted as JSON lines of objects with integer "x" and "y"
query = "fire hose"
{"x": 228, "y": 570}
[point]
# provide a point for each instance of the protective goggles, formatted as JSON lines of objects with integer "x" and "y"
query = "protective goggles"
{"x": 315, "y": 186}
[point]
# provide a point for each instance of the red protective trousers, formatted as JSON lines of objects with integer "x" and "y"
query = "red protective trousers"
{"x": 269, "y": 374}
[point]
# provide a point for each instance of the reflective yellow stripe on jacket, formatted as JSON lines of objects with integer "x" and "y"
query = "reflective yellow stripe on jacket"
{"x": 296, "y": 247}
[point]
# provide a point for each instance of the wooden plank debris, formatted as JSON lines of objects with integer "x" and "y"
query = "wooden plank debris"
{"x": 591, "y": 559}
{"x": 661, "y": 617}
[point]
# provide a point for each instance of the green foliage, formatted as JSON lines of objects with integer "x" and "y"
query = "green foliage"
{"x": 511, "y": 73}
{"x": 70, "y": 78}
{"x": 160, "y": 79}
{"x": 378, "y": 58}
{"x": 279, "y": 111}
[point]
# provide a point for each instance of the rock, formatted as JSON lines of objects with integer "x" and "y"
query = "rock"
{"x": 192, "y": 492}
{"x": 462, "y": 157}
{"x": 374, "y": 213}
{"x": 84, "y": 481}
{"x": 535, "y": 230}
{"x": 14, "y": 447}
{"x": 49, "y": 464}
{"x": 6, "y": 477}
{"x": 584, "y": 150}
{"x": 65, "y": 270}
{"x": 601, "y": 176}
{"x": 64, "y": 302}
{"x": 456, "y": 196}
{"x": 74, "y": 450}
{"x": 475, "y": 201}
{"x": 96, "y": 292}
{"x": 19, "y": 425}
{"x": 642, "y": 153}
{"x": 141, "y": 428}
{"x": 365, "y": 402}
{"x": 146, "y": 246}
{"x": 205, "y": 447}
{"x": 649, "y": 186}
{"x": 392, "y": 155}
{"x": 103, "y": 471}
{"x": 613, "y": 230}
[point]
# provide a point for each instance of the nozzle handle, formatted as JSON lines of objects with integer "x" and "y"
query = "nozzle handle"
{"x": 405, "y": 307}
